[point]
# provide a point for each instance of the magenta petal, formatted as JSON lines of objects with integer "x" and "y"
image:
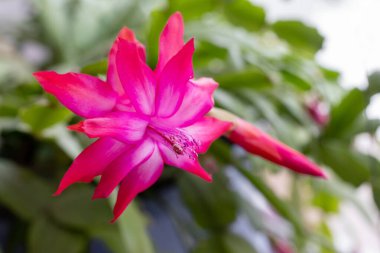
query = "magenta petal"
{"x": 172, "y": 81}
{"x": 138, "y": 180}
{"x": 121, "y": 166}
{"x": 136, "y": 77}
{"x": 206, "y": 131}
{"x": 112, "y": 75}
{"x": 183, "y": 162}
{"x": 87, "y": 165}
{"x": 85, "y": 95}
{"x": 124, "y": 126}
{"x": 171, "y": 40}
{"x": 196, "y": 103}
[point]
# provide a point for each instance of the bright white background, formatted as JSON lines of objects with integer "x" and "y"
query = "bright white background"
{"x": 352, "y": 35}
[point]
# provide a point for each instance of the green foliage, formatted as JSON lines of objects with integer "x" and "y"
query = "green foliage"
{"x": 65, "y": 209}
{"x": 245, "y": 14}
{"x": 44, "y": 236}
{"x": 250, "y": 78}
{"x": 193, "y": 9}
{"x": 132, "y": 231}
{"x": 344, "y": 114}
{"x": 373, "y": 84}
{"x": 375, "y": 182}
{"x": 209, "y": 200}
{"x": 39, "y": 117}
{"x": 227, "y": 243}
{"x": 299, "y": 35}
{"x": 327, "y": 202}
{"x": 22, "y": 191}
{"x": 350, "y": 166}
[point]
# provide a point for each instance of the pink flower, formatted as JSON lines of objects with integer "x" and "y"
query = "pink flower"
{"x": 143, "y": 118}
{"x": 281, "y": 246}
{"x": 317, "y": 113}
{"x": 259, "y": 143}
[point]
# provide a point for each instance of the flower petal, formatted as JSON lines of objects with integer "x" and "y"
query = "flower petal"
{"x": 136, "y": 77}
{"x": 123, "y": 126}
{"x": 91, "y": 162}
{"x": 207, "y": 130}
{"x": 138, "y": 180}
{"x": 112, "y": 75}
{"x": 183, "y": 162}
{"x": 197, "y": 101}
{"x": 121, "y": 166}
{"x": 171, "y": 40}
{"x": 85, "y": 95}
{"x": 172, "y": 81}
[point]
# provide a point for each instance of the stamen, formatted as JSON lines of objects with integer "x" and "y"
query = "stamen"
{"x": 181, "y": 142}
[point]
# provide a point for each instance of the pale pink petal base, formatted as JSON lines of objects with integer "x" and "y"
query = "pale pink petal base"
{"x": 197, "y": 101}
{"x": 206, "y": 131}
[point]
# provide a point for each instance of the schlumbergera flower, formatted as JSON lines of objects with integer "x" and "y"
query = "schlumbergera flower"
{"x": 143, "y": 118}
{"x": 261, "y": 144}
{"x": 317, "y": 112}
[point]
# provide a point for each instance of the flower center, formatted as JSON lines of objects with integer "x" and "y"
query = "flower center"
{"x": 179, "y": 141}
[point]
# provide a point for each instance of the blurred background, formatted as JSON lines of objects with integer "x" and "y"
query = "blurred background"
{"x": 305, "y": 71}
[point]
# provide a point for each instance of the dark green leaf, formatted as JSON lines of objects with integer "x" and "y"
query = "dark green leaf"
{"x": 133, "y": 231}
{"x": 296, "y": 80}
{"x": 44, "y": 236}
{"x": 226, "y": 243}
{"x": 375, "y": 182}
{"x": 349, "y": 165}
{"x": 8, "y": 111}
{"x": 128, "y": 234}
{"x": 299, "y": 35}
{"x": 213, "y": 206}
{"x": 344, "y": 114}
{"x": 97, "y": 68}
{"x": 373, "y": 83}
{"x": 244, "y": 13}
{"x": 224, "y": 154}
{"x": 193, "y": 9}
{"x": 75, "y": 208}
{"x": 22, "y": 191}
{"x": 206, "y": 53}
{"x": 39, "y": 117}
{"x": 250, "y": 78}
